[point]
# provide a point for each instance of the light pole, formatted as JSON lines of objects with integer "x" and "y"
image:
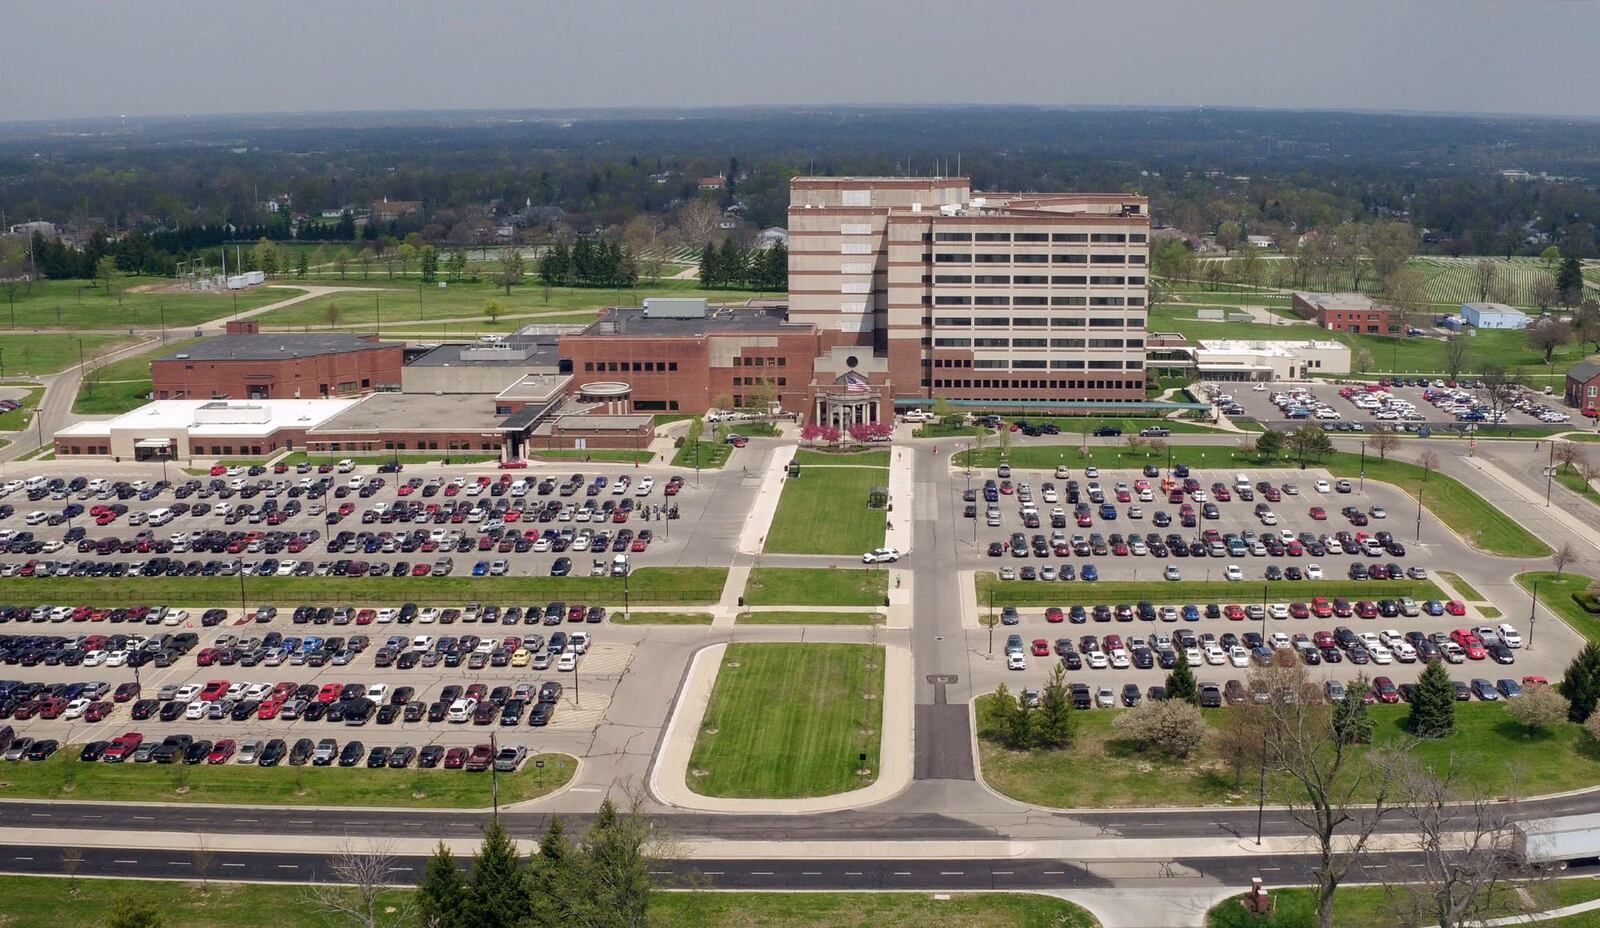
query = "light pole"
{"x": 1420, "y": 488}
{"x": 1549, "y": 473}
{"x": 1362, "y": 476}
{"x": 1533, "y": 608}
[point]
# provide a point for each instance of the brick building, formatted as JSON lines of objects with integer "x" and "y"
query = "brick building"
{"x": 246, "y": 364}
{"x": 1346, "y": 312}
{"x": 1583, "y": 384}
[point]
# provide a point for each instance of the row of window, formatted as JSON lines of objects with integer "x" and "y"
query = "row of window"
{"x": 779, "y": 361}
{"x": 943, "y": 300}
{"x": 1100, "y": 280}
{"x": 1098, "y": 238}
{"x": 1005, "y": 384}
{"x": 1035, "y": 322}
{"x": 755, "y": 381}
{"x": 1094, "y": 343}
{"x": 1006, "y": 257}
{"x": 1055, "y": 364}
{"x": 592, "y": 367}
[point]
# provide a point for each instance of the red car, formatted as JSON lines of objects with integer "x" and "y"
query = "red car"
{"x": 1054, "y": 614}
{"x": 213, "y": 690}
{"x": 1387, "y": 691}
{"x": 1318, "y": 513}
{"x": 221, "y": 752}
{"x": 269, "y": 709}
{"x": 1299, "y": 611}
{"x": 1041, "y": 648}
{"x": 1321, "y": 608}
{"x": 1455, "y": 607}
{"x": 122, "y": 747}
{"x": 1367, "y": 609}
{"x": 513, "y": 465}
{"x": 1234, "y": 612}
{"x": 1534, "y": 681}
{"x": 98, "y": 711}
{"x": 329, "y": 693}
{"x": 481, "y": 757}
{"x": 455, "y": 758}
{"x": 421, "y": 570}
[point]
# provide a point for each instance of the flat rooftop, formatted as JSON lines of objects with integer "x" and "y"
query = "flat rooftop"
{"x": 271, "y": 346}
{"x": 597, "y": 423}
{"x": 1278, "y": 349}
{"x": 541, "y": 353}
{"x": 414, "y": 412}
{"x": 1347, "y": 301}
{"x": 535, "y": 388}
{"x": 216, "y": 417}
{"x": 632, "y": 321}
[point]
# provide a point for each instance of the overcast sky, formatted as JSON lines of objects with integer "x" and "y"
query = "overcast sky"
{"x": 69, "y": 58}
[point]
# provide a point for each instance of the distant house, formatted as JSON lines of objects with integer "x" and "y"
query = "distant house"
{"x": 1583, "y": 384}
{"x": 712, "y": 183}
{"x": 387, "y": 210}
{"x": 1493, "y": 316}
{"x": 772, "y": 236}
{"x": 1261, "y": 241}
{"x": 46, "y": 229}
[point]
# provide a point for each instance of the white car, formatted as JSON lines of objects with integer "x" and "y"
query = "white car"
{"x": 1097, "y": 660}
{"x": 76, "y": 708}
{"x": 1173, "y": 573}
{"x": 1234, "y": 572}
{"x": 1238, "y": 656}
{"x": 94, "y": 658}
{"x": 117, "y": 659}
{"x": 881, "y": 556}
{"x": 1323, "y": 487}
{"x": 1214, "y": 655}
{"x": 1278, "y": 611}
{"x": 186, "y": 692}
{"x": 1016, "y": 662}
{"x": 568, "y": 662}
{"x": 1313, "y": 571}
{"x": 1381, "y": 654}
{"x": 428, "y": 615}
{"x": 645, "y": 486}
{"x": 1119, "y": 659}
{"x": 196, "y": 710}
{"x": 1378, "y": 512}
{"x": 1509, "y": 636}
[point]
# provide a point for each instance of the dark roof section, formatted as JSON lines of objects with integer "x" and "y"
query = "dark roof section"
{"x": 632, "y": 321}
{"x": 274, "y": 347}
{"x": 543, "y": 352}
{"x": 1584, "y": 371}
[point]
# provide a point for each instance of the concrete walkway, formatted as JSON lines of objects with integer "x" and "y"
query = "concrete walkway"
{"x": 902, "y": 500}
{"x": 669, "y": 775}
{"x": 754, "y": 534}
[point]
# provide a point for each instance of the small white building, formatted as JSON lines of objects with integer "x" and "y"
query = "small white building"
{"x": 1241, "y": 359}
{"x": 1493, "y": 316}
{"x": 1261, "y": 241}
{"x": 183, "y": 429}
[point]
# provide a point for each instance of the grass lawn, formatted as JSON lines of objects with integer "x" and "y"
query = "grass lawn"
{"x": 26, "y": 355}
{"x": 876, "y": 458}
{"x": 1161, "y": 592}
{"x": 810, "y": 618}
{"x": 1361, "y": 906}
{"x": 122, "y": 385}
{"x": 788, "y": 720}
{"x": 1574, "y": 481}
{"x": 865, "y": 910}
{"x": 1447, "y": 498}
{"x": 1077, "y": 425}
{"x": 711, "y": 455}
{"x": 659, "y": 618}
{"x": 85, "y": 304}
{"x": 68, "y": 778}
{"x": 1491, "y": 751}
{"x": 1489, "y": 612}
{"x": 825, "y": 511}
{"x": 18, "y": 419}
{"x": 941, "y": 430}
{"x": 649, "y": 586}
{"x": 816, "y": 586}
{"x": 598, "y": 454}
{"x": 1462, "y": 586}
{"x": 36, "y": 902}
{"x": 1556, "y": 595}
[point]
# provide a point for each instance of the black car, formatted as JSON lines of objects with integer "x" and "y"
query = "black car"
{"x": 272, "y": 753}
{"x": 91, "y": 752}
{"x": 301, "y": 752}
{"x": 430, "y": 756}
{"x": 377, "y": 759}
{"x": 351, "y": 753}
{"x": 197, "y": 752}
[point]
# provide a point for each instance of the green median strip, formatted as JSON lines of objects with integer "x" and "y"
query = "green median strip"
{"x": 816, "y": 586}
{"x": 809, "y": 618}
{"x": 825, "y": 511}
{"x": 648, "y": 586}
{"x": 1467, "y": 590}
{"x": 1360, "y": 906}
{"x": 1561, "y": 595}
{"x": 619, "y": 617}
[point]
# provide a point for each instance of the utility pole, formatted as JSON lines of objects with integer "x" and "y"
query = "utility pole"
{"x": 1549, "y": 472}
{"x": 1362, "y": 477}
{"x": 1533, "y": 608}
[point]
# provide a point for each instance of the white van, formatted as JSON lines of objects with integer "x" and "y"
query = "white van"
{"x": 35, "y": 483}
{"x": 1241, "y": 481}
{"x": 159, "y": 517}
{"x": 461, "y": 710}
{"x": 346, "y": 466}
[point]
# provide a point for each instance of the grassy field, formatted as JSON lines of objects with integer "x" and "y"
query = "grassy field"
{"x": 123, "y": 384}
{"x": 65, "y": 777}
{"x": 36, "y": 902}
{"x": 825, "y": 511}
{"x": 1362, "y": 906}
{"x": 816, "y": 586}
{"x": 659, "y": 618}
{"x": 706, "y": 455}
{"x": 1575, "y": 482}
{"x": 648, "y": 586}
{"x": 19, "y": 419}
{"x": 610, "y": 456}
{"x": 788, "y": 720}
{"x": 83, "y": 304}
{"x": 1490, "y": 750}
{"x": 1161, "y": 592}
{"x": 1462, "y": 586}
{"x": 401, "y": 302}
{"x": 1556, "y": 595}
{"x": 809, "y": 618}
{"x": 941, "y": 430}
{"x": 874, "y": 458}
{"x": 1445, "y": 497}
{"x": 26, "y": 355}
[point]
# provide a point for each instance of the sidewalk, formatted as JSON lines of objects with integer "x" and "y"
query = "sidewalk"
{"x": 902, "y": 483}
{"x": 669, "y": 774}
{"x": 765, "y": 505}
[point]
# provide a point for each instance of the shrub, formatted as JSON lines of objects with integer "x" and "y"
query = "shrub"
{"x": 1171, "y": 726}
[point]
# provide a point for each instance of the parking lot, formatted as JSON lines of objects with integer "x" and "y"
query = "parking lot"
{"x": 331, "y": 521}
{"x": 1390, "y": 406}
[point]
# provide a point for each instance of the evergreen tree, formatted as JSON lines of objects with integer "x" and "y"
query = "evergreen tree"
{"x": 302, "y": 265}
{"x": 136, "y": 911}
{"x": 732, "y": 264}
{"x": 1053, "y": 728}
{"x": 1180, "y": 682}
{"x": 1005, "y": 713}
{"x": 347, "y": 226}
{"x": 1581, "y": 683}
{"x": 442, "y": 894}
{"x": 550, "y": 877}
{"x": 430, "y": 263}
{"x": 1020, "y": 737}
{"x": 709, "y": 278}
{"x": 555, "y": 268}
{"x": 1569, "y": 277}
{"x": 1352, "y": 720}
{"x": 1433, "y": 703}
{"x": 612, "y": 883}
{"x": 583, "y": 263}
{"x": 1269, "y": 444}
{"x": 498, "y": 895}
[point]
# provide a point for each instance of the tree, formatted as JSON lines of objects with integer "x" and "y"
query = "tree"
{"x": 1361, "y": 361}
{"x": 331, "y": 313}
{"x": 493, "y": 309}
{"x": 1581, "y": 683}
{"x": 1172, "y": 726}
{"x": 1500, "y": 388}
{"x": 302, "y": 265}
{"x": 709, "y": 275}
{"x": 1383, "y": 443}
{"x": 1548, "y": 333}
{"x": 1538, "y": 708}
{"x": 1408, "y": 291}
{"x": 1229, "y": 235}
{"x": 613, "y": 870}
{"x": 1433, "y": 703}
{"x": 550, "y": 875}
{"x": 1308, "y": 442}
{"x": 14, "y": 275}
{"x": 1455, "y": 355}
{"x": 1569, "y": 279}
{"x": 1550, "y": 257}
{"x": 1005, "y": 712}
{"x": 497, "y": 894}
{"x": 1053, "y": 728}
{"x": 1586, "y": 323}
{"x": 136, "y": 911}
{"x": 1545, "y": 292}
{"x": 1485, "y": 274}
{"x": 1269, "y": 444}
{"x": 1181, "y": 685}
{"x": 1389, "y": 246}
{"x": 406, "y": 253}
{"x": 458, "y": 264}
{"x": 442, "y": 893}
{"x": 106, "y": 271}
{"x": 1563, "y": 558}
{"x": 1323, "y": 778}
{"x": 1462, "y": 862}
{"x": 511, "y": 269}
{"x": 341, "y": 261}
{"x": 358, "y": 894}
{"x": 1352, "y": 720}
{"x": 429, "y": 258}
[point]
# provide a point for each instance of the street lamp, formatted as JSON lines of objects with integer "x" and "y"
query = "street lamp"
{"x": 1533, "y": 608}
{"x": 1363, "y": 475}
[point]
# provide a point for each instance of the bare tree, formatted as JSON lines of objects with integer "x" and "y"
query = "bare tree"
{"x": 697, "y": 222}
{"x": 1484, "y": 275}
{"x": 1336, "y": 789}
{"x": 1408, "y": 291}
{"x": 71, "y": 863}
{"x": 1383, "y": 443}
{"x": 1563, "y": 558}
{"x": 1455, "y": 356}
{"x": 1500, "y": 387}
{"x": 1545, "y": 293}
{"x": 1547, "y": 334}
{"x": 358, "y": 891}
{"x": 1566, "y": 453}
{"x": 204, "y": 860}
{"x": 1586, "y": 323}
{"x": 1429, "y": 462}
{"x": 1462, "y": 862}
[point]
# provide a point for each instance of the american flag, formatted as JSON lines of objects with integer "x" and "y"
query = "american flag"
{"x": 855, "y": 385}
